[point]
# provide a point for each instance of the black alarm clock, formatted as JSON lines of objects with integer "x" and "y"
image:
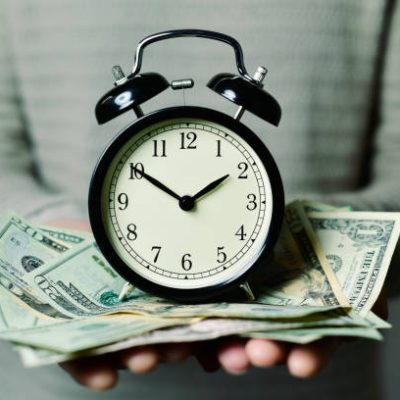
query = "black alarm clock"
{"x": 186, "y": 202}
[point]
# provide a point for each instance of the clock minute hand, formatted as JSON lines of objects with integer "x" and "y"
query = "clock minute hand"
{"x": 209, "y": 187}
{"x": 158, "y": 184}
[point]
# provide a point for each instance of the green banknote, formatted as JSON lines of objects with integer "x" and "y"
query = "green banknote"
{"x": 66, "y": 236}
{"x": 80, "y": 334}
{"x": 308, "y": 335}
{"x": 66, "y": 305}
{"x": 82, "y": 276}
{"x": 24, "y": 246}
{"x": 359, "y": 246}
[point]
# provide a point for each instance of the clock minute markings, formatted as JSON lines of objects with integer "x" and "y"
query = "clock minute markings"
{"x": 249, "y": 163}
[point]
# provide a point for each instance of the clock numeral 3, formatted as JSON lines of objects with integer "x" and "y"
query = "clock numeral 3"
{"x": 240, "y": 233}
{"x": 157, "y": 250}
{"x": 191, "y": 138}
{"x": 123, "y": 200}
{"x": 159, "y": 148}
{"x": 221, "y": 254}
{"x": 131, "y": 235}
{"x": 243, "y": 167}
{"x": 186, "y": 262}
{"x": 137, "y": 171}
{"x": 252, "y": 204}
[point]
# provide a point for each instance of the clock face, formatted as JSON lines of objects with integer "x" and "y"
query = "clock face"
{"x": 186, "y": 203}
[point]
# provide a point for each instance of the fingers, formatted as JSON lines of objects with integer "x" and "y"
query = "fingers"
{"x": 140, "y": 359}
{"x": 305, "y": 361}
{"x": 206, "y": 355}
{"x": 232, "y": 356}
{"x": 266, "y": 353}
{"x": 175, "y": 352}
{"x": 101, "y": 373}
{"x": 95, "y": 373}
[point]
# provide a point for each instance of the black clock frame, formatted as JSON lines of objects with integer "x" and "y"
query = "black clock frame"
{"x": 95, "y": 204}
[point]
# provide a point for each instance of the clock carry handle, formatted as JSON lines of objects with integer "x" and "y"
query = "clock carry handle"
{"x": 133, "y": 90}
{"x": 192, "y": 33}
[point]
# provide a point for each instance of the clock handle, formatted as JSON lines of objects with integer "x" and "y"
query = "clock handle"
{"x": 192, "y": 33}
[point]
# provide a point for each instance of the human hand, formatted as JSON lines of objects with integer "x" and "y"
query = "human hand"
{"x": 236, "y": 356}
{"x": 101, "y": 372}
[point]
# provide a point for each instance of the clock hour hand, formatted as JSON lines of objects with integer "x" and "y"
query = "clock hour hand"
{"x": 186, "y": 203}
{"x": 157, "y": 183}
{"x": 209, "y": 187}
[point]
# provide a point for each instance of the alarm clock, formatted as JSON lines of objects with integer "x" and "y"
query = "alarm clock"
{"x": 186, "y": 202}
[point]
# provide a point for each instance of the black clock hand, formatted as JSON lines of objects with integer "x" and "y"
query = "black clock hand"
{"x": 157, "y": 183}
{"x": 186, "y": 203}
{"x": 209, "y": 187}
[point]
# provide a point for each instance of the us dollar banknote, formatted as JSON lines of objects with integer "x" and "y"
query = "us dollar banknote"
{"x": 71, "y": 296}
{"x": 359, "y": 246}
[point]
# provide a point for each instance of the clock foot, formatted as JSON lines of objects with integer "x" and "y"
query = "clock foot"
{"x": 247, "y": 289}
{"x": 126, "y": 290}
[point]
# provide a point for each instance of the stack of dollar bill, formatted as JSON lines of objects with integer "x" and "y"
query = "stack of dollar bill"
{"x": 59, "y": 296}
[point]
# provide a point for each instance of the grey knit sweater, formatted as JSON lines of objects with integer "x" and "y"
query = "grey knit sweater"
{"x": 334, "y": 66}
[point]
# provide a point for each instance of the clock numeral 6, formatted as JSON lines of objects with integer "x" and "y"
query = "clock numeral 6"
{"x": 191, "y": 138}
{"x": 241, "y": 233}
{"x": 123, "y": 200}
{"x": 252, "y": 204}
{"x": 137, "y": 171}
{"x": 221, "y": 255}
{"x": 243, "y": 167}
{"x": 158, "y": 250}
{"x": 131, "y": 235}
{"x": 186, "y": 262}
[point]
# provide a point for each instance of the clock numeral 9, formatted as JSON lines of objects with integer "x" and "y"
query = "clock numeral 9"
{"x": 243, "y": 167}
{"x": 252, "y": 204}
{"x": 221, "y": 254}
{"x": 131, "y": 235}
{"x": 241, "y": 233}
{"x": 137, "y": 171}
{"x": 186, "y": 262}
{"x": 158, "y": 250}
{"x": 123, "y": 200}
{"x": 159, "y": 150}
{"x": 189, "y": 136}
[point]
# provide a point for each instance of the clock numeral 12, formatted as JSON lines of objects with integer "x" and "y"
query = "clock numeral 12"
{"x": 189, "y": 136}
{"x": 131, "y": 235}
{"x": 161, "y": 147}
{"x": 186, "y": 262}
{"x": 240, "y": 233}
